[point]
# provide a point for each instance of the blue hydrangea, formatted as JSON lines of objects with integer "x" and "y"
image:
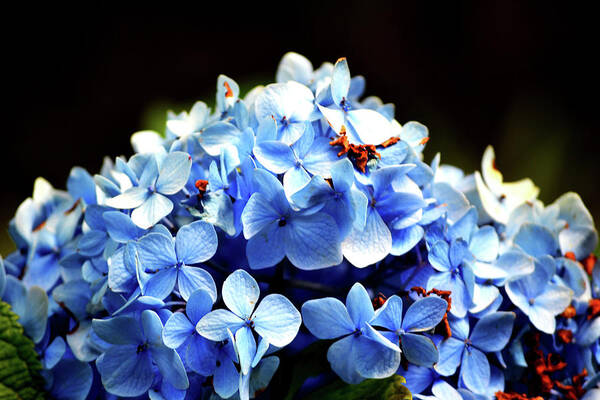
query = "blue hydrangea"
{"x": 299, "y": 195}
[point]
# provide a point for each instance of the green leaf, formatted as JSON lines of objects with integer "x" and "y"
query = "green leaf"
{"x": 391, "y": 388}
{"x": 20, "y": 367}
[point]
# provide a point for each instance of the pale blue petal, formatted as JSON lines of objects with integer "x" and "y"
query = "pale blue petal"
{"x": 340, "y": 81}
{"x": 373, "y": 360}
{"x": 542, "y": 319}
{"x": 419, "y": 350}
{"x": 464, "y": 226}
{"x": 359, "y": 305}
{"x": 341, "y": 356}
{"x": 118, "y": 330}
{"x": 277, "y": 320}
{"x": 160, "y": 284}
{"x": 450, "y": 351}
{"x": 475, "y": 370}
{"x": 294, "y": 179}
{"x": 267, "y": 248}
{"x": 120, "y": 227}
{"x": 240, "y": 293}
{"x": 327, "y": 318}
{"x": 131, "y": 198}
{"x": 321, "y": 158}
{"x": 156, "y": 251}
{"x": 124, "y": 371}
{"x": 246, "y": 347}
{"x": 404, "y": 240}
{"x": 170, "y": 366}
{"x": 225, "y": 379}
{"x": 484, "y": 244}
{"x": 198, "y": 305}
{"x": 445, "y": 391}
{"x": 492, "y": 332}
{"x": 555, "y": 298}
{"x": 424, "y": 314}
{"x": 196, "y": 242}
{"x": 370, "y": 126}
{"x": 174, "y": 172}
{"x": 191, "y": 279}
{"x": 312, "y": 242}
{"x": 215, "y": 324}
{"x": 257, "y": 215}
{"x": 580, "y": 240}
{"x": 536, "y": 240}
{"x": 390, "y": 314}
{"x": 178, "y": 329}
{"x": 154, "y": 208}
{"x": 438, "y": 256}
{"x": 275, "y": 156}
{"x": 369, "y": 245}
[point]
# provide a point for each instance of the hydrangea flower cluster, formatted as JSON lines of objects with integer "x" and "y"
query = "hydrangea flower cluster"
{"x": 201, "y": 266}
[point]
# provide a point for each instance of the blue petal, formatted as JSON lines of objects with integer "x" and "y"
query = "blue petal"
{"x": 201, "y": 355}
{"x": 269, "y": 186}
{"x": 404, "y": 240}
{"x": 424, "y": 314}
{"x": 484, "y": 244}
{"x": 294, "y": 179}
{"x": 240, "y": 293}
{"x": 124, "y": 371}
{"x": 131, "y": 198}
{"x": 174, "y": 172}
{"x": 81, "y": 185}
{"x": 419, "y": 349}
{"x": 120, "y": 227}
{"x": 321, "y": 158}
{"x": 198, "y": 305}
{"x": 340, "y": 81}
{"x": 327, "y": 318}
{"x": 369, "y": 245}
{"x": 72, "y": 380}
{"x": 275, "y": 156}
{"x": 370, "y": 126}
{"x": 277, "y": 320}
{"x": 246, "y": 348}
{"x": 312, "y": 242}
{"x": 450, "y": 351}
{"x": 226, "y": 379}
{"x": 445, "y": 391}
{"x": 492, "y": 332}
{"x": 461, "y": 301}
{"x": 390, "y": 314}
{"x": 342, "y": 175}
{"x": 341, "y": 356}
{"x": 373, "y": 360}
{"x": 118, "y": 330}
{"x": 257, "y": 215}
{"x": 359, "y": 305}
{"x": 464, "y": 226}
{"x": 177, "y": 330}
{"x": 475, "y": 370}
{"x": 418, "y": 378}
{"x": 154, "y": 208}
{"x": 313, "y": 195}
{"x": 536, "y": 240}
{"x": 580, "y": 240}
{"x": 196, "y": 242}
{"x": 156, "y": 251}
{"x": 438, "y": 256}
{"x": 54, "y": 352}
{"x": 215, "y": 324}
{"x": 267, "y": 248}
{"x": 170, "y": 366}
{"x": 160, "y": 284}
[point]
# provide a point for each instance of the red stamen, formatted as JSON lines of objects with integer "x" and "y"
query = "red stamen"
{"x": 390, "y": 141}
{"x": 378, "y": 300}
{"x": 201, "y": 185}
{"x": 40, "y": 226}
{"x": 424, "y": 140}
{"x": 570, "y": 255}
{"x": 515, "y": 396}
{"x": 359, "y": 154}
{"x": 569, "y": 312}
{"x": 589, "y": 263}
{"x": 229, "y": 92}
{"x": 73, "y": 207}
{"x": 565, "y": 335}
{"x": 593, "y": 308}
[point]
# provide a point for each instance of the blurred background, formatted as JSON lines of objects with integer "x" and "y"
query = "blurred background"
{"x": 522, "y": 77}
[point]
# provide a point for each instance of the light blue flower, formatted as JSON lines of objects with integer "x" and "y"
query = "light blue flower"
{"x": 538, "y": 297}
{"x": 135, "y": 348}
{"x": 490, "y": 334}
{"x": 164, "y": 261}
{"x": 275, "y": 319}
{"x": 157, "y": 180}
{"x": 423, "y": 315}
{"x": 274, "y": 230}
{"x": 361, "y": 351}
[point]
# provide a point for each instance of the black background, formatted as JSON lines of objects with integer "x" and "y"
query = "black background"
{"x": 522, "y": 77}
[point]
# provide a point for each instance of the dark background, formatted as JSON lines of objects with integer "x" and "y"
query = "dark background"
{"x": 520, "y": 77}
